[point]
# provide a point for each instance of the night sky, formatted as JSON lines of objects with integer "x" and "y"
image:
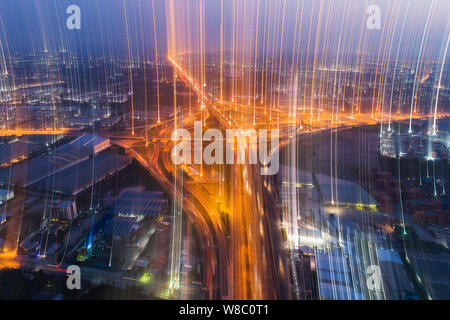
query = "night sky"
{"x": 32, "y": 26}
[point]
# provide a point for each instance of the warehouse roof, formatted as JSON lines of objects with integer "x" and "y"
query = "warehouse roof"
{"x": 120, "y": 226}
{"x": 81, "y": 176}
{"x": 39, "y": 168}
{"x": 142, "y": 203}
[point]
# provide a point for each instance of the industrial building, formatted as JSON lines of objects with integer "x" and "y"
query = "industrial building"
{"x": 139, "y": 204}
{"x": 16, "y": 151}
{"x": 61, "y": 213}
{"x": 130, "y": 209}
{"x": 335, "y": 277}
{"x": 36, "y": 169}
{"x": 77, "y": 178}
{"x": 59, "y": 169}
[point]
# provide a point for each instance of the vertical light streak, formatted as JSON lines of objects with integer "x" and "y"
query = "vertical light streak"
{"x": 316, "y": 46}
{"x": 361, "y": 68}
{"x": 130, "y": 68}
{"x": 280, "y": 62}
{"x": 145, "y": 73}
{"x": 156, "y": 60}
{"x": 417, "y": 65}
{"x": 263, "y": 64}
{"x": 265, "y": 61}
{"x": 357, "y": 69}
{"x": 202, "y": 70}
{"x": 422, "y": 67}
{"x": 178, "y": 183}
{"x": 386, "y": 71}
{"x": 202, "y": 57}
{"x": 385, "y": 66}
{"x": 307, "y": 58}
{"x": 242, "y": 62}
{"x": 294, "y": 85}
{"x": 11, "y": 72}
{"x": 250, "y": 52}
{"x": 322, "y": 64}
{"x": 439, "y": 85}
{"x": 332, "y": 117}
{"x": 233, "y": 64}
{"x": 274, "y": 37}
{"x": 396, "y": 63}
{"x": 298, "y": 48}
{"x": 189, "y": 53}
{"x": 347, "y": 62}
{"x": 221, "y": 51}
{"x": 254, "y": 66}
{"x": 374, "y": 101}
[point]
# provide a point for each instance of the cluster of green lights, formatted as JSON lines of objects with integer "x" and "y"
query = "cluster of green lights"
{"x": 146, "y": 278}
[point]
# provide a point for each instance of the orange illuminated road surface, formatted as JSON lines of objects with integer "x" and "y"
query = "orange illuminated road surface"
{"x": 23, "y": 132}
{"x": 8, "y": 259}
